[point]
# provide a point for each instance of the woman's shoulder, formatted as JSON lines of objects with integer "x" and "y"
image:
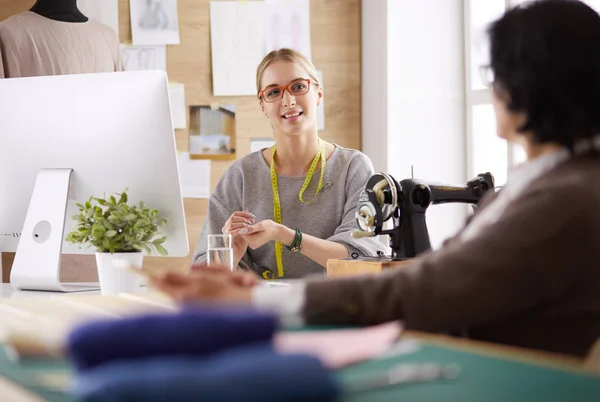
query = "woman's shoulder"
{"x": 575, "y": 179}
{"x": 350, "y": 156}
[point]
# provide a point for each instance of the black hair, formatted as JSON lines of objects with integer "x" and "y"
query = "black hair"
{"x": 546, "y": 56}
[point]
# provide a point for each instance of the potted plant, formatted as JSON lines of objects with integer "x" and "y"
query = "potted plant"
{"x": 119, "y": 232}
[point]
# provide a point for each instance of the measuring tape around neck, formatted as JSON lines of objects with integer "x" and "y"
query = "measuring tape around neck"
{"x": 277, "y": 203}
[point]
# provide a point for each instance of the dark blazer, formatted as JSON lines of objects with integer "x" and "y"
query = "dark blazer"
{"x": 530, "y": 279}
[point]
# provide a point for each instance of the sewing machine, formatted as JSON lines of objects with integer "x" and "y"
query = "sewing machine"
{"x": 406, "y": 203}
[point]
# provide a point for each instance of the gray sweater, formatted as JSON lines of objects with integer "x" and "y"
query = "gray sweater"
{"x": 246, "y": 185}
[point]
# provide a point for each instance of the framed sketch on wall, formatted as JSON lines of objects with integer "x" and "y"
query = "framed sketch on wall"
{"x": 212, "y": 132}
{"x": 154, "y": 22}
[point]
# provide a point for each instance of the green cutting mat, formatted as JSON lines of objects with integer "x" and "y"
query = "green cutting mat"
{"x": 26, "y": 374}
{"x": 482, "y": 378}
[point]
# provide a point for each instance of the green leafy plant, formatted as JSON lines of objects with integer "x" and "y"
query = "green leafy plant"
{"x": 114, "y": 226}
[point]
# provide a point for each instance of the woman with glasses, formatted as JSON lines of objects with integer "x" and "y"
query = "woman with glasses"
{"x": 290, "y": 207}
{"x": 525, "y": 269}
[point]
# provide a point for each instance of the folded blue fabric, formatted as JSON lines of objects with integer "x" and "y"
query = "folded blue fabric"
{"x": 195, "y": 331}
{"x": 248, "y": 373}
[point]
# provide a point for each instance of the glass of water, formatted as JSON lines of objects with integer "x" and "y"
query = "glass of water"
{"x": 220, "y": 250}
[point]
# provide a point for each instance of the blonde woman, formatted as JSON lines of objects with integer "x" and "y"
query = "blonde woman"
{"x": 290, "y": 207}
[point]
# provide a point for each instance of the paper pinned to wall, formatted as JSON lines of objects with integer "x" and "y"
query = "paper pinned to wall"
{"x": 154, "y": 22}
{"x": 288, "y": 25}
{"x": 194, "y": 176}
{"x": 256, "y": 144}
{"x": 237, "y": 39}
{"x": 178, "y": 110}
{"x": 138, "y": 58}
{"x": 321, "y": 107}
{"x": 104, "y": 11}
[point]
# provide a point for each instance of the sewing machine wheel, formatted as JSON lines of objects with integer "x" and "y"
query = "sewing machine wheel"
{"x": 365, "y": 217}
{"x": 386, "y": 189}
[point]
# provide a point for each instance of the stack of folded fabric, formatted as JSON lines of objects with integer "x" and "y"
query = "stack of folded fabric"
{"x": 199, "y": 354}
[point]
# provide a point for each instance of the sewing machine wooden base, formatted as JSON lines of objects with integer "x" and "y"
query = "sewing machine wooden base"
{"x": 349, "y": 267}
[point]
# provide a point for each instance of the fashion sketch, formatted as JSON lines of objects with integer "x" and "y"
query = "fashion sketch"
{"x": 156, "y": 15}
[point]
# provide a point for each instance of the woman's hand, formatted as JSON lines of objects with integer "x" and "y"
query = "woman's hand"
{"x": 266, "y": 231}
{"x": 237, "y": 221}
{"x": 207, "y": 284}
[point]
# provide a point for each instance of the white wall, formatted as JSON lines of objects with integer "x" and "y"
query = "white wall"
{"x": 423, "y": 100}
{"x": 375, "y": 82}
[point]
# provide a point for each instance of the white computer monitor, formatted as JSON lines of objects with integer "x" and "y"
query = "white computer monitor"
{"x": 81, "y": 135}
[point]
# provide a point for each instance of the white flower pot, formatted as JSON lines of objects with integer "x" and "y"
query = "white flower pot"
{"x": 114, "y": 278}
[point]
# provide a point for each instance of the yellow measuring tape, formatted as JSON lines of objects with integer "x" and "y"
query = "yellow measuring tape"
{"x": 277, "y": 203}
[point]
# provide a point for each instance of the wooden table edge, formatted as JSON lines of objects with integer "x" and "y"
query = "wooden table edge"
{"x": 515, "y": 353}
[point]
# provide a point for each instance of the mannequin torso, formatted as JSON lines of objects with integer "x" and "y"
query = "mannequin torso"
{"x": 59, "y": 10}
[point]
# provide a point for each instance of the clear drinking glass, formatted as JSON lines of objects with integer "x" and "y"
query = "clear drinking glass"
{"x": 220, "y": 250}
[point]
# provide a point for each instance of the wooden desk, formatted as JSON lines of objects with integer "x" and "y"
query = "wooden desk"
{"x": 488, "y": 372}
{"x": 350, "y": 267}
{"x": 528, "y": 356}
{"x": 510, "y": 372}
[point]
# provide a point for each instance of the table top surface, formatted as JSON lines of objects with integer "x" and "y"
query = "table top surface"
{"x": 481, "y": 378}
{"x": 7, "y": 292}
{"x": 487, "y": 372}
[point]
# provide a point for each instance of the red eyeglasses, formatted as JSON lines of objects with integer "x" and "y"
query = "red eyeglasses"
{"x": 297, "y": 87}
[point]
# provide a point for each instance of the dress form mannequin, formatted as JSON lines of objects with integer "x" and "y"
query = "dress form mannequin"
{"x": 59, "y": 10}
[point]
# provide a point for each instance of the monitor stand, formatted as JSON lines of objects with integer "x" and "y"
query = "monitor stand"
{"x": 37, "y": 261}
